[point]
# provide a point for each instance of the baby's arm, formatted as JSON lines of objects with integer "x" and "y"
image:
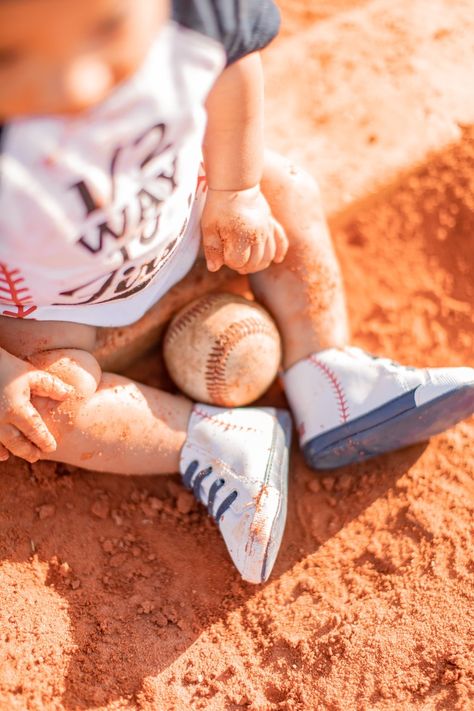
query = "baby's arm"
{"x": 237, "y": 225}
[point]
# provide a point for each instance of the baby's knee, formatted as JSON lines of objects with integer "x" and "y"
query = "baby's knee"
{"x": 303, "y": 184}
{"x": 287, "y": 183}
{"x": 73, "y": 366}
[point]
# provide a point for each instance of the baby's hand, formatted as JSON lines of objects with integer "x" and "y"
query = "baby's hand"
{"x": 22, "y": 431}
{"x": 238, "y": 230}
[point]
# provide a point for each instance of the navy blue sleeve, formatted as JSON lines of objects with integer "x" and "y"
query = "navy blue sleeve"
{"x": 241, "y": 26}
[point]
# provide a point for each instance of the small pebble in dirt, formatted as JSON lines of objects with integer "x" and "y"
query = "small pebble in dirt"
{"x": 344, "y": 483}
{"x": 185, "y": 502}
{"x": 314, "y": 486}
{"x": 346, "y": 631}
{"x": 64, "y": 570}
{"x": 117, "y": 560}
{"x": 145, "y": 607}
{"x": 117, "y": 519}
{"x": 146, "y": 508}
{"x": 243, "y": 701}
{"x": 100, "y": 509}
{"x": 108, "y": 546}
{"x": 159, "y": 619}
{"x": 46, "y": 511}
{"x": 155, "y": 504}
{"x": 170, "y": 613}
{"x": 237, "y": 589}
{"x": 328, "y": 483}
{"x": 75, "y": 584}
{"x": 174, "y": 489}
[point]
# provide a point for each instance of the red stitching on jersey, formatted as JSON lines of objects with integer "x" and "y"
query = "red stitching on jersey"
{"x": 201, "y": 179}
{"x": 13, "y": 294}
{"x": 335, "y": 383}
{"x": 222, "y": 425}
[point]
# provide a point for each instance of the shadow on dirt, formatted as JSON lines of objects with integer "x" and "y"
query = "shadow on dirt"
{"x": 144, "y": 573}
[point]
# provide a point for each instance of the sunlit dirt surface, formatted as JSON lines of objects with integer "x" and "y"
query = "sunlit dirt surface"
{"x": 117, "y": 593}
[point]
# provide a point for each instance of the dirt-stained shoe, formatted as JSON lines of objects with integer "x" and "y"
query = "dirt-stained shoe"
{"x": 350, "y": 406}
{"x": 236, "y": 463}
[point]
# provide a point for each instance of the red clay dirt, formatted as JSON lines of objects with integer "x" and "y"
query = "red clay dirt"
{"x": 117, "y": 593}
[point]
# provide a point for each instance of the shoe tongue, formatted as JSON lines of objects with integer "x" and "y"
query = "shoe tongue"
{"x": 370, "y": 357}
{"x": 351, "y": 351}
{"x": 366, "y": 357}
{"x": 359, "y": 354}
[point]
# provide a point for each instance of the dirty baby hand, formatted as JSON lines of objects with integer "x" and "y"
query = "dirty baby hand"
{"x": 238, "y": 231}
{"x": 22, "y": 431}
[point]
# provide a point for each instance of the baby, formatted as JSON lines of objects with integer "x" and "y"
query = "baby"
{"x": 132, "y": 133}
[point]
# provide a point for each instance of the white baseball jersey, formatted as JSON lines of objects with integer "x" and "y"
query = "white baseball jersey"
{"x": 100, "y": 212}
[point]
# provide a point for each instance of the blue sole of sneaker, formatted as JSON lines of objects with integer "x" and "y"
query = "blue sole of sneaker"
{"x": 398, "y": 424}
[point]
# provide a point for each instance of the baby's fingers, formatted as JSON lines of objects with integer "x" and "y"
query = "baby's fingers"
{"x": 29, "y": 422}
{"x": 237, "y": 250}
{"x": 213, "y": 251}
{"x": 47, "y": 385}
{"x": 281, "y": 242}
{"x": 4, "y": 453}
{"x": 17, "y": 444}
{"x": 261, "y": 257}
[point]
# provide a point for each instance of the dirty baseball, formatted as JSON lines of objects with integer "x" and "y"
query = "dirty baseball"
{"x": 222, "y": 349}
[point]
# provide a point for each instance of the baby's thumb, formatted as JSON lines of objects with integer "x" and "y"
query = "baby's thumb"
{"x": 213, "y": 250}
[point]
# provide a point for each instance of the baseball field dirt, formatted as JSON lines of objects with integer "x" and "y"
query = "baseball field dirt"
{"x": 117, "y": 592}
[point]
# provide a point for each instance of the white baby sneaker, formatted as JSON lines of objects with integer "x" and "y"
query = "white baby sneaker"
{"x": 236, "y": 463}
{"x": 350, "y": 406}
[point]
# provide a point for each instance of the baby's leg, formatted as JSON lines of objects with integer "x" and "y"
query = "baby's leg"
{"x": 348, "y": 405}
{"x": 304, "y": 293}
{"x": 112, "y": 424}
{"x": 235, "y": 462}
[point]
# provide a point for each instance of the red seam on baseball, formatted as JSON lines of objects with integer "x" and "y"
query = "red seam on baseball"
{"x": 222, "y": 425}
{"x": 335, "y": 383}
{"x": 190, "y": 314}
{"x": 215, "y": 373}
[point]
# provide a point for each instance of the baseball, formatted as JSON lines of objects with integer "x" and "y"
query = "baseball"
{"x": 222, "y": 349}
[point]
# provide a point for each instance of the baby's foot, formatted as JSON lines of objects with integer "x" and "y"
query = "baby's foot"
{"x": 350, "y": 406}
{"x": 236, "y": 463}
